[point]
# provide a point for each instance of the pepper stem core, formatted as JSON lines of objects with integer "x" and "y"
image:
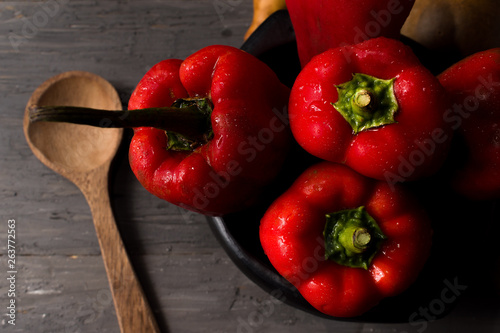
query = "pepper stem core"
{"x": 355, "y": 239}
{"x": 186, "y": 122}
{"x": 352, "y": 237}
{"x": 362, "y": 99}
{"x": 366, "y": 102}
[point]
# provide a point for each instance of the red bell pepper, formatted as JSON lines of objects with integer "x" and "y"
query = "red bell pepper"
{"x": 320, "y": 25}
{"x": 474, "y": 82}
{"x": 346, "y": 241}
{"x": 244, "y": 146}
{"x": 210, "y": 132}
{"x": 374, "y": 107}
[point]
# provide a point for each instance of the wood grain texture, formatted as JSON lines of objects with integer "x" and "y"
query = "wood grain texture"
{"x": 132, "y": 307}
{"x": 191, "y": 283}
{"x": 83, "y": 154}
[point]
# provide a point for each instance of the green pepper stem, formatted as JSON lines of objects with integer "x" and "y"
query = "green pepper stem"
{"x": 363, "y": 99}
{"x": 367, "y": 102}
{"x": 361, "y": 238}
{"x": 186, "y": 120}
{"x": 352, "y": 237}
{"x": 355, "y": 239}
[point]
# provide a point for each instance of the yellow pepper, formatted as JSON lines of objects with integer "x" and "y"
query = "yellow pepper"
{"x": 262, "y": 9}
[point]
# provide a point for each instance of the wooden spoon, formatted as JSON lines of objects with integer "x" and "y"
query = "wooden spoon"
{"x": 83, "y": 154}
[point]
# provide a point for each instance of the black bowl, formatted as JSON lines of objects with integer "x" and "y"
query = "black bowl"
{"x": 274, "y": 43}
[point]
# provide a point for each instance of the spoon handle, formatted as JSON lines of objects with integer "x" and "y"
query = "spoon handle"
{"x": 132, "y": 309}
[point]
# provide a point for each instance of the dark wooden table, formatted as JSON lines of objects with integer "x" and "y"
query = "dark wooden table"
{"x": 60, "y": 284}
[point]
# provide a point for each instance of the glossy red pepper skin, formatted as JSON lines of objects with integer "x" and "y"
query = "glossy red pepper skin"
{"x": 291, "y": 234}
{"x": 412, "y": 148}
{"x": 320, "y": 25}
{"x": 474, "y": 83}
{"x": 248, "y": 120}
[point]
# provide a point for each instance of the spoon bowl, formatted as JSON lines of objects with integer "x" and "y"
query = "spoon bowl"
{"x": 83, "y": 154}
{"x": 69, "y": 148}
